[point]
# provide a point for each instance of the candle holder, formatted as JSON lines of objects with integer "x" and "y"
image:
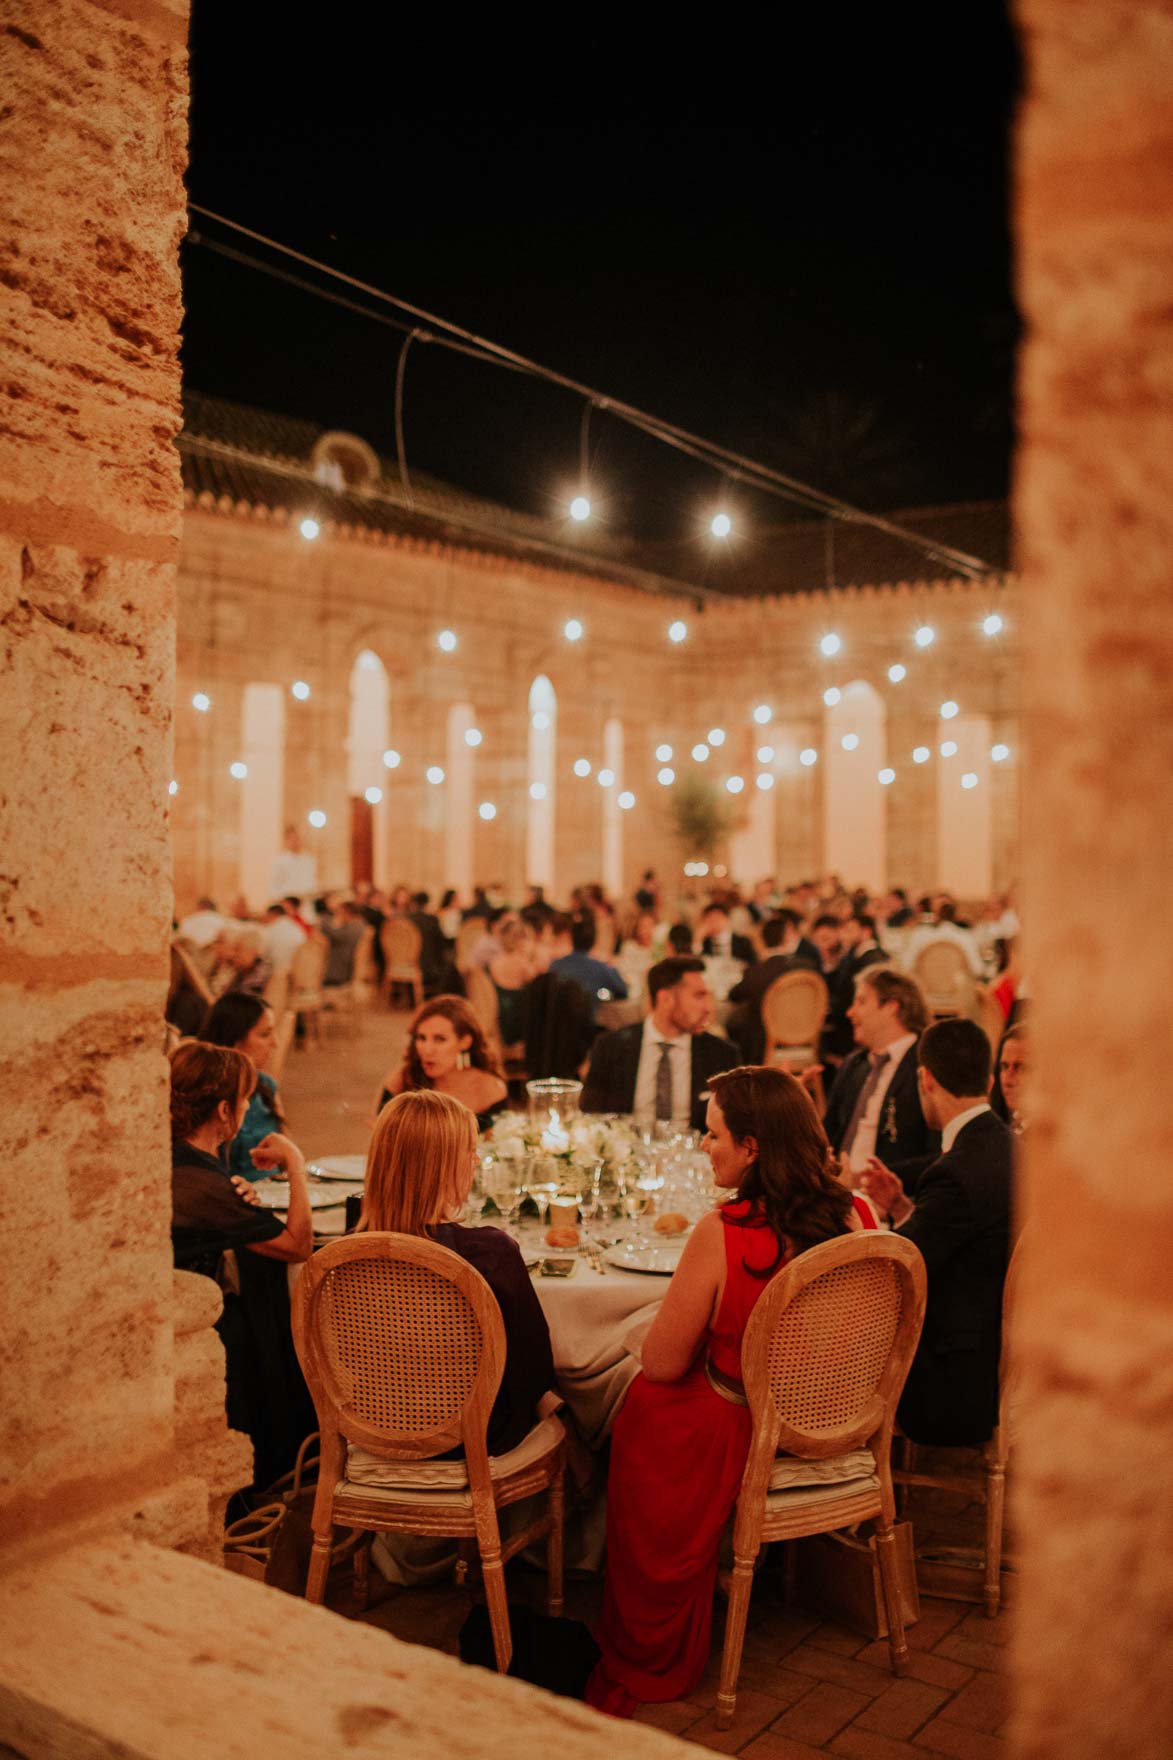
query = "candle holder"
{"x": 553, "y": 1105}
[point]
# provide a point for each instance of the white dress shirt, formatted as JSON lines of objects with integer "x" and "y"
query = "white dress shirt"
{"x": 295, "y": 875}
{"x": 864, "y": 1146}
{"x": 282, "y": 938}
{"x": 202, "y": 927}
{"x": 950, "y": 1134}
{"x": 680, "y": 1060}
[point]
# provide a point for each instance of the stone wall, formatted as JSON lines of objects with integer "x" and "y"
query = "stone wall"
{"x": 259, "y": 603}
{"x": 1094, "y": 510}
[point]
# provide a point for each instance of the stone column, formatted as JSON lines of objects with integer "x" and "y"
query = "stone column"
{"x": 1094, "y": 496}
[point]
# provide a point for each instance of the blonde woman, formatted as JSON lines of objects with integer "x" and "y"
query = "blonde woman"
{"x": 420, "y": 1170}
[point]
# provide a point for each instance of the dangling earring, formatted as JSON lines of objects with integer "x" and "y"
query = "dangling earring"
{"x": 464, "y": 1061}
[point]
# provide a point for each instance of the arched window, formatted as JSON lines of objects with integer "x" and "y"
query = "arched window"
{"x": 539, "y": 807}
{"x": 368, "y": 738}
{"x": 855, "y": 822}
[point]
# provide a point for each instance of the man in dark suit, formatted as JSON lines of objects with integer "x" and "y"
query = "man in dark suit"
{"x": 874, "y": 1105}
{"x": 718, "y": 940}
{"x": 857, "y": 937}
{"x": 787, "y": 952}
{"x": 661, "y": 1069}
{"x": 961, "y": 1221}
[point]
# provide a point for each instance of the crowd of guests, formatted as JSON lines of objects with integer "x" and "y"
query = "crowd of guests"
{"x": 900, "y": 1122}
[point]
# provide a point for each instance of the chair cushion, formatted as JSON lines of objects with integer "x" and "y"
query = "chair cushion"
{"x": 437, "y": 1482}
{"x": 790, "y": 1470}
{"x": 812, "y": 1495}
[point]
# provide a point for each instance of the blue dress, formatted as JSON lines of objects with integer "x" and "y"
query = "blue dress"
{"x": 259, "y": 1120}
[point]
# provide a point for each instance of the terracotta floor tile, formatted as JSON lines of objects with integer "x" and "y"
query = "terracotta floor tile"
{"x": 923, "y": 1665}
{"x": 775, "y": 1747}
{"x": 902, "y": 1710}
{"x": 943, "y": 1737}
{"x": 999, "y": 1630}
{"x": 773, "y": 1679}
{"x": 869, "y": 1744}
{"x": 675, "y": 1717}
{"x": 844, "y": 1671}
{"x": 957, "y": 1647}
{"x": 983, "y": 1704}
{"x": 821, "y": 1714}
{"x": 936, "y": 1619}
{"x": 838, "y": 1639}
{"x": 752, "y": 1713}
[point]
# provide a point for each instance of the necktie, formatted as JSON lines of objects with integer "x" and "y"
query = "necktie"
{"x": 877, "y": 1059}
{"x": 664, "y": 1081}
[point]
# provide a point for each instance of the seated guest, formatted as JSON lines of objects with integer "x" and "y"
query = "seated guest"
{"x": 718, "y": 940}
{"x": 857, "y": 938}
{"x": 874, "y": 1105}
{"x": 420, "y": 1169}
{"x": 680, "y": 940}
{"x": 637, "y": 952}
{"x": 688, "y": 1406}
{"x": 245, "y": 1023}
{"x": 786, "y": 951}
{"x": 1006, "y": 1094}
{"x": 960, "y": 1220}
{"x": 343, "y": 929}
{"x": 188, "y": 996}
{"x": 202, "y": 925}
{"x": 824, "y": 938}
{"x": 243, "y": 965}
{"x": 218, "y": 1233}
{"x": 434, "y": 956}
{"x": 282, "y": 937}
{"x": 446, "y": 1050}
{"x": 510, "y": 970}
{"x": 660, "y": 1070}
{"x": 945, "y": 929}
{"x": 601, "y": 981}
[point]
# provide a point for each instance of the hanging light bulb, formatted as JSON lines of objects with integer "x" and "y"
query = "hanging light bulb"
{"x": 992, "y": 624}
{"x": 582, "y": 766}
{"x": 700, "y": 752}
{"x": 830, "y": 645}
{"x": 434, "y": 774}
{"x": 373, "y": 795}
{"x": 487, "y": 810}
{"x": 721, "y": 525}
{"x": 309, "y": 529}
{"x": 886, "y": 776}
{"x": 572, "y": 630}
{"x": 716, "y": 736}
{"x": 663, "y": 754}
{"x": 317, "y": 818}
{"x": 677, "y": 631}
{"x": 762, "y": 714}
{"x": 666, "y": 777}
{"x": 925, "y": 636}
{"x": 832, "y": 696}
{"x": 808, "y": 756}
{"x": 735, "y": 784}
{"x": 627, "y": 800}
{"x": 446, "y": 640}
{"x": 300, "y": 689}
{"x": 897, "y": 673}
{"x": 580, "y": 508}
{"x": 921, "y": 754}
{"x": 238, "y": 771}
{"x": 765, "y": 779}
{"x": 537, "y": 791}
{"x": 391, "y": 758}
{"x": 201, "y": 701}
{"x": 473, "y": 736}
{"x": 849, "y": 741}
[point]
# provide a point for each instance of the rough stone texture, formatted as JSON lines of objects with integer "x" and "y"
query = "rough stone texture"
{"x": 91, "y": 156}
{"x": 219, "y": 1458}
{"x": 1095, "y": 520}
{"x": 209, "y": 1663}
{"x": 258, "y": 603}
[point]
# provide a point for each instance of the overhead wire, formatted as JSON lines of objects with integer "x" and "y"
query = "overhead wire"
{"x": 454, "y": 336}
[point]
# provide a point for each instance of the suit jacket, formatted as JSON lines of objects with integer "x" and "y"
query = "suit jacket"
{"x": 741, "y": 947}
{"x": 962, "y": 1226}
{"x": 610, "y": 1080}
{"x": 745, "y": 1021}
{"x": 904, "y": 1141}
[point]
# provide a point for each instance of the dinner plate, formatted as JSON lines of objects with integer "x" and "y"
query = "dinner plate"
{"x": 659, "y": 1257}
{"x": 274, "y": 1194}
{"x": 352, "y": 1167}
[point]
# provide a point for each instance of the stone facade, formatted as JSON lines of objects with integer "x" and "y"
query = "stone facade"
{"x": 259, "y": 603}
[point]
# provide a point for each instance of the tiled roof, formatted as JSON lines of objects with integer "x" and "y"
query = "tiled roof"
{"x": 249, "y": 460}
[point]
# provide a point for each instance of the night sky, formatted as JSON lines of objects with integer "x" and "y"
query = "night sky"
{"x": 794, "y": 244}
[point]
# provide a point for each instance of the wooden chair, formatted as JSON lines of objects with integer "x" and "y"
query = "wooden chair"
{"x": 943, "y": 973}
{"x": 824, "y": 1358}
{"x": 401, "y": 942}
{"x": 793, "y": 1010}
{"x": 468, "y": 936}
{"x": 305, "y": 984}
{"x": 482, "y": 999}
{"x": 403, "y": 1347}
{"x": 346, "y": 999}
{"x": 988, "y": 1485}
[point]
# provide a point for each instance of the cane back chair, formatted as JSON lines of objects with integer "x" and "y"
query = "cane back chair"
{"x": 402, "y": 1346}
{"x": 943, "y": 973}
{"x": 824, "y": 1358}
{"x": 793, "y": 1011}
{"x": 401, "y": 942}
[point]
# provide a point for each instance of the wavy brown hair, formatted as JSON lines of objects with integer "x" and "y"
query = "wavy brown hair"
{"x": 201, "y": 1077}
{"x": 791, "y": 1179}
{"x": 457, "y": 1012}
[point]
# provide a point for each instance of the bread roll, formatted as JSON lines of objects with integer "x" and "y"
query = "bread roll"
{"x": 672, "y": 1222}
{"x": 562, "y": 1237}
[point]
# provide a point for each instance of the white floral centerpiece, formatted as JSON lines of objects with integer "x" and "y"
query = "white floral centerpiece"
{"x": 582, "y": 1145}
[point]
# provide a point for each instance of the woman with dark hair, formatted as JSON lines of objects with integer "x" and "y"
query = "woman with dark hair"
{"x": 447, "y": 1050}
{"x": 245, "y": 1023}
{"x": 220, "y": 1234}
{"x": 688, "y": 1406}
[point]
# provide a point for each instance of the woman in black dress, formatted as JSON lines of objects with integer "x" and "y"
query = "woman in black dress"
{"x": 218, "y": 1233}
{"x": 447, "y": 1051}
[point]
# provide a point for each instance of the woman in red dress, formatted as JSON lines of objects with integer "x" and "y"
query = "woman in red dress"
{"x": 680, "y": 1443}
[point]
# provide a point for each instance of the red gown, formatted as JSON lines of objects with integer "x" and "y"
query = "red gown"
{"x": 678, "y": 1452}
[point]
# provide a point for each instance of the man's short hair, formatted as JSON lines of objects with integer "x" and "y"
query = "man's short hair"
{"x": 826, "y": 922}
{"x": 680, "y": 938}
{"x": 560, "y": 924}
{"x": 912, "y": 1011}
{"x": 206, "y": 904}
{"x": 866, "y": 922}
{"x": 584, "y": 931}
{"x": 774, "y": 932}
{"x": 957, "y": 1055}
{"x": 290, "y": 900}
{"x": 715, "y": 907}
{"x": 667, "y": 973}
{"x": 946, "y": 911}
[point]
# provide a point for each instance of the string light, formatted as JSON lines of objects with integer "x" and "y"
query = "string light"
{"x": 765, "y": 779}
{"x": 582, "y": 766}
{"x": 300, "y": 689}
{"x": 572, "y": 630}
{"x": 665, "y": 777}
{"x": 487, "y": 810}
{"x": 238, "y": 771}
{"x": 202, "y": 702}
{"x": 992, "y": 624}
{"x": 886, "y": 776}
{"x": 832, "y": 696}
{"x": 580, "y": 508}
{"x": 392, "y": 759}
{"x": 537, "y": 791}
{"x": 716, "y": 736}
{"x": 677, "y": 631}
{"x": 808, "y": 756}
{"x": 897, "y": 673}
{"x": 721, "y": 525}
{"x": 434, "y": 774}
{"x": 541, "y": 721}
{"x": 173, "y": 787}
{"x": 948, "y": 748}
{"x": 763, "y": 714}
{"x": 309, "y": 529}
{"x": 627, "y": 800}
{"x": 765, "y": 754}
{"x": 373, "y": 795}
{"x": 606, "y": 778}
{"x": 969, "y": 780}
{"x": 830, "y": 645}
{"x": 948, "y": 710}
{"x": 700, "y": 753}
{"x": 921, "y": 754}
{"x": 925, "y": 637}
{"x": 999, "y": 753}
{"x": 735, "y": 784}
{"x": 317, "y": 818}
{"x": 446, "y": 640}
{"x": 849, "y": 741}
{"x": 473, "y": 736}
{"x": 664, "y": 754}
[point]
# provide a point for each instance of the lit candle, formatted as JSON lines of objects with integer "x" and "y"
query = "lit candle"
{"x": 555, "y": 1141}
